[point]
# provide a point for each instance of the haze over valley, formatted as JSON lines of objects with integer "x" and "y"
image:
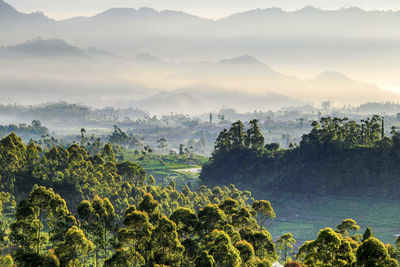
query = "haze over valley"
{"x": 265, "y": 59}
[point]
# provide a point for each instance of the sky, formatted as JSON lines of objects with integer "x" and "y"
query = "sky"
{"x": 61, "y": 9}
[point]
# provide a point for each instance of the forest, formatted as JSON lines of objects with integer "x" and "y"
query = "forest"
{"x": 337, "y": 157}
{"x": 73, "y": 206}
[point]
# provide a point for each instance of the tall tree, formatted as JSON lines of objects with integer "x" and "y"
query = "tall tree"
{"x": 254, "y": 139}
{"x": 285, "y": 242}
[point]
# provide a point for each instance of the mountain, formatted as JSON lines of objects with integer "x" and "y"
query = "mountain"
{"x": 50, "y": 48}
{"x": 7, "y": 13}
{"x": 7, "y": 10}
{"x": 333, "y": 85}
{"x": 244, "y": 60}
{"x": 43, "y": 47}
{"x": 202, "y": 97}
{"x": 312, "y": 37}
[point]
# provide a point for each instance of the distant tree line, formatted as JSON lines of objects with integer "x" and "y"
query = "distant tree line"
{"x": 31, "y": 131}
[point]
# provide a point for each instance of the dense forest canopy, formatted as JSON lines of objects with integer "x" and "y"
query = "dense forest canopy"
{"x": 67, "y": 207}
{"x": 338, "y": 156}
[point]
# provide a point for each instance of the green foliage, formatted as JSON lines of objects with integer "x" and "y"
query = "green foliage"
{"x": 285, "y": 242}
{"x": 34, "y": 130}
{"x": 372, "y": 252}
{"x": 121, "y": 138}
{"x": 264, "y": 210}
{"x": 43, "y": 207}
{"x": 204, "y": 260}
{"x": 328, "y": 249}
{"x": 337, "y": 156}
{"x": 246, "y": 251}
{"x": 131, "y": 172}
{"x": 74, "y": 248}
{"x": 347, "y": 225}
{"x": 98, "y": 221}
{"x": 222, "y": 250}
{"x": 164, "y": 243}
{"x": 367, "y": 234}
{"x": 6, "y": 261}
{"x": 124, "y": 221}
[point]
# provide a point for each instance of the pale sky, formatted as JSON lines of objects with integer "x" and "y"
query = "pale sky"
{"x": 61, "y": 9}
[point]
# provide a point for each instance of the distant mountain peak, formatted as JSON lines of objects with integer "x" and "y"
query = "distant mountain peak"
{"x": 244, "y": 59}
{"x": 6, "y": 9}
{"x": 146, "y": 57}
{"x": 127, "y": 12}
{"x": 309, "y": 9}
{"x": 332, "y": 75}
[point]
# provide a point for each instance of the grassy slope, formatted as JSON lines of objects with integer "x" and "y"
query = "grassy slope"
{"x": 304, "y": 218}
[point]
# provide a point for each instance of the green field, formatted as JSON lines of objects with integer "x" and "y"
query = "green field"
{"x": 304, "y": 218}
{"x": 183, "y": 169}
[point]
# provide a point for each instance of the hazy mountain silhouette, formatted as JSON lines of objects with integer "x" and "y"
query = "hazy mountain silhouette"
{"x": 201, "y": 97}
{"x": 194, "y": 52}
{"x": 11, "y": 15}
{"x": 50, "y": 48}
{"x": 307, "y": 37}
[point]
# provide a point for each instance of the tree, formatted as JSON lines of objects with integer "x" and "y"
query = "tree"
{"x": 162, "y": 144}
{"x": 262, "y": 263}
{"x": 246, "y": 251}
{"x": 211, "y": 217}
{"x": 6, "y": 261}
{"x": 264, "y": 210}
{"x": 132, "y": 172}
{"x": 74, "y": 247}
{"x": 108, "y": 153}
{"x": 223, "y": 143}
{"x": 204, "y": 260}
{"x": 238, "y": 136}
{"x": 328, "y": 249}
{"x": 244, "y": 219}
{"x": 372, "y": 252}
{"x": 125, "y": 257}
{"x": 186, "y": 222}
{"x": 230, "y": 207}
{"x": 272, "y": 147}
{"x": 98, "y": 220}
{"x": 133, "y": 239}
{"x": 83, "y": 136}
{"x": 222, "y": 250}
{"x": 254, "y": 138}
{"x": 4, "y": 198}
{"x": 42, "y": 207}
{"x": 367, "y": 234}
{"x": 347, "y": 225}
{"x": 151, "y": 207}
{"x": 285, "y": 242}
{"x": 264, "y": 247}
{"x": 292, "y": 264}
{"x": 165, "y": 246}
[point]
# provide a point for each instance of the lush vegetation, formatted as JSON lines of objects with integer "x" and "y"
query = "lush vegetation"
{"x": 33, "y": 131}
{"x": 338, "y": 156}
{"x": 71, "y": 207}
{"x": 86, "y": 210}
